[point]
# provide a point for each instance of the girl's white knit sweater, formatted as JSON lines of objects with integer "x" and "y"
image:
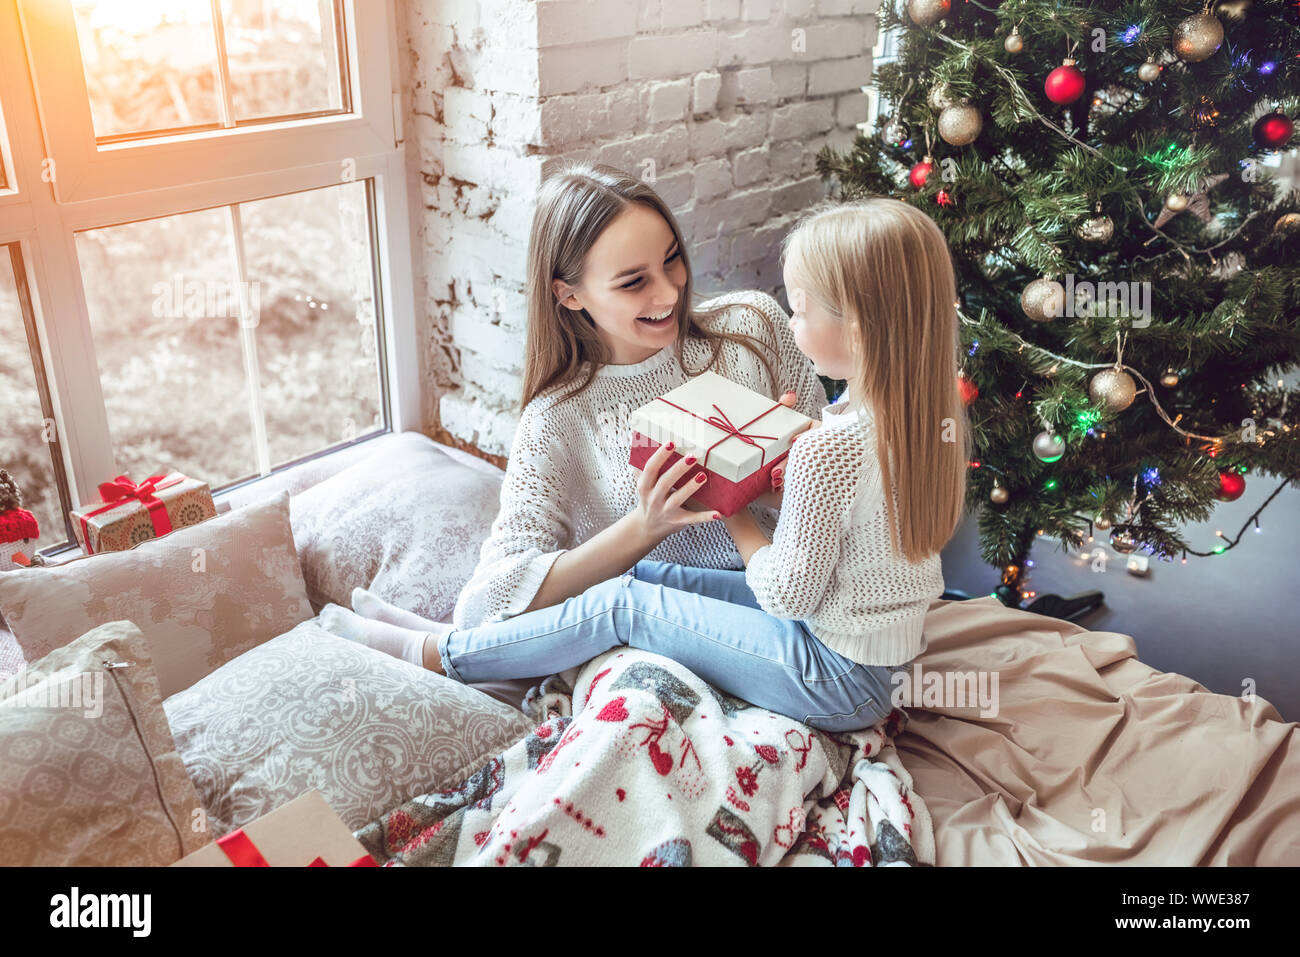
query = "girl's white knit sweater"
{"x": 568, "y": 476}
{"x": 831, "y": 563}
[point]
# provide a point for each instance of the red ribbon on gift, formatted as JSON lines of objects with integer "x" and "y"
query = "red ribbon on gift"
{"x": 722, "y": 422}
{"x": 121, "y": 489}
{"x": 242, "y": 852}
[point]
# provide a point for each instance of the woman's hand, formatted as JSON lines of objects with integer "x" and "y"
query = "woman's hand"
{"x": 660, "y": 509}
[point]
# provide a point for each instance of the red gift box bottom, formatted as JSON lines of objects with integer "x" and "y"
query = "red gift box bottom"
{"x": 720, "y": 494}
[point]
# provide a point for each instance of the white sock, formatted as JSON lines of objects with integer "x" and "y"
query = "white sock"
{"x": 370, "y": 605}
{"x": 396, "y": 640}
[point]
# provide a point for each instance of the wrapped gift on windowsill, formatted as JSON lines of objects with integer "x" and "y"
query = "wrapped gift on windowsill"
{"x": 303, "y": 833}
{"x": 128, "y": 514}
{"x": 737, "y": 435}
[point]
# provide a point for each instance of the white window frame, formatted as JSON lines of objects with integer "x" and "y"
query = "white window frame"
{"x": 39, "y": 216}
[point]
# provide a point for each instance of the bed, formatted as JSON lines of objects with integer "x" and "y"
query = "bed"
{"x": 1090, "y": 757}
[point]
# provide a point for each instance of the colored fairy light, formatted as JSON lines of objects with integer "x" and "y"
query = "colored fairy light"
{"x": 907, "y": 144}
{"x": 1050, "y": 484}
{"x": 1151, "y": 476}
{"x": 973, "y": 346}
{"x": 1131, "y": 34}
{"x": 1267, "y": 67}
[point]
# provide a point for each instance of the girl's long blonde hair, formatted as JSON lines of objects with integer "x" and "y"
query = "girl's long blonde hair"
{"x": 883, "y": 267}
{"x": 575, "y": 205}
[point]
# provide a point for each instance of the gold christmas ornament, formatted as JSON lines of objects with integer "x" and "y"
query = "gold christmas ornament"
{"x": 1287, "y": 223}
{"x": 1043, "y": 300}
{"x": 960, "y": 124}
{"x": 1177, "y": 202}
{"x": 940, "y": 99}
{"x": 998, "y": 494}
{"x": 1014, "y": 42}
{"x": 1113, "y": 388}
{"x": 1169, "y": 378}
{"x": 1233, "y": 10}
{"x": 1198, "y": 37}
{"x": 1098, "y": 229}
{"x": 926, "y": 13}
{"x": 1149, "y": 72}
{"x": 1102, "y": 522}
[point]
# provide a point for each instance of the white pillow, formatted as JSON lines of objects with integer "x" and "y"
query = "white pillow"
{"x": 408, "y": 524}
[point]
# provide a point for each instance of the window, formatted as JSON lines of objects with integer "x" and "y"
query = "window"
{"x": 213, "y": 275}
{"x": 885, "y": 51}
{"x": 28, "y": 443}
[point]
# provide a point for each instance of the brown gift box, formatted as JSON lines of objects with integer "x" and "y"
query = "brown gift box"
{"x": 128, "y": 522}
{"x": 293, "y": 835}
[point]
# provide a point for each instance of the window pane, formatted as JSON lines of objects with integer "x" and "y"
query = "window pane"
{"x": 164, "y": 312}
{"x": 24, "y": 452}
{"x": 281, "y": 60}
{"x": 309, "y": 261}
{"x": 150, "y": 64}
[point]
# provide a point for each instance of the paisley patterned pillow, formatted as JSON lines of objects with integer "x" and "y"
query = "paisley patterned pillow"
{"x": 89, "y": 774}
{"x": 407, "y": 524}
{"x": 201, "y": 594}
{"x": 311, "y": 710}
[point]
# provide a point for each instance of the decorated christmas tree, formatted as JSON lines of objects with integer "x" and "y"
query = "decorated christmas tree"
{"x": 1128, "y": 269}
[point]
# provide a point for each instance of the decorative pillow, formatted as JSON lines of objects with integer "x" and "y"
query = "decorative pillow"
{"x": 407, "y": 524}
{"x": 89, "y": 774}
{"x": 201, "y": 594}
{"x": 311, "y": 710}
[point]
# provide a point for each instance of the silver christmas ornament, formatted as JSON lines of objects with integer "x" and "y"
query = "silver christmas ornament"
{"x": 960, "y": 124}
{"x": 1048, "y": 446}
{"x": 1177, "y": 202}
{"x": 1102, "y": 522}
{"x": 926, "y": 13}
{"x": 1043, "y": 300}
{"x": 1198, "y": 37}
{"x": 998, "y": 494}
{"x": 894, "y": 134}
{"x": 1149, "y": 72}
{"x": 1122, "y": 540}
{"x": 1014, "y": 42}
{"x": 1169, "y": 379}
{"x": 1113, "y": 388}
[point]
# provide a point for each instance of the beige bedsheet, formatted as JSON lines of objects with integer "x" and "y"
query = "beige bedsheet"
{"x": 1093, "y": 757}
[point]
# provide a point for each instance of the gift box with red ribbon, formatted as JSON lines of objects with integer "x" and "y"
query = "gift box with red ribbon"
{"x": 736, "y": 435}
{"x": 303, "y": 833}
{"x": 129, "y": 513}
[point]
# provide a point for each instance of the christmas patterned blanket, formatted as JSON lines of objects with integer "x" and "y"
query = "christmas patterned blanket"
{"x": 637, "y": 761}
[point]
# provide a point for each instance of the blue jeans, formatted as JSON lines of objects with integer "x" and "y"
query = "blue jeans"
{"x": 705, "y": 619}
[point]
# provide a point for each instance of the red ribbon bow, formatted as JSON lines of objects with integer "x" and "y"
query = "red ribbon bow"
{"x": 721, "y": 421}
{"x": 120, "y": 490}
{"x": 242, "y": 852}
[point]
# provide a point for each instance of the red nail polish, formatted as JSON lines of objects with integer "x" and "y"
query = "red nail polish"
{"x": 700, "y": 477}
{"x": 691, "y": 460}
{"x": 669, "y": 446}
{"x": 717, "y": 515}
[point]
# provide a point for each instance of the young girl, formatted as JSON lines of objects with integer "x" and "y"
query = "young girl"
{"x": 589, "y": 553}
{"x": 871, "y": 287}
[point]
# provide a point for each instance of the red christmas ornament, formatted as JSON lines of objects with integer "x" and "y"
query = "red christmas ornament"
{"x": 942, "y": 198}
{"x": 1231, "y": 485}
{"x": 1273, "y": 130}
{"x": 969, "y": 391}
{"x": 919, "y": 172}
{"x": 1064, "y": 84}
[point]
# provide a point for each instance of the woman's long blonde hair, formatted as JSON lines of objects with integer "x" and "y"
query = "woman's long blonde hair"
{"x": 883, "y": 267}
{"x": 575, "y": 205}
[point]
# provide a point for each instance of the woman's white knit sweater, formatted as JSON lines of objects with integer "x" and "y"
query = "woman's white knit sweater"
{"x": 568, "y": 476}
{"x": 832, "y": 563}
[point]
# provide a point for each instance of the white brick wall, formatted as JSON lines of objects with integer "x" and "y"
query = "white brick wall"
{"x": 730, "y": 100}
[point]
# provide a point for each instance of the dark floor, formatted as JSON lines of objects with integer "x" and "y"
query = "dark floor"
{"x": 1222, "y": 621}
